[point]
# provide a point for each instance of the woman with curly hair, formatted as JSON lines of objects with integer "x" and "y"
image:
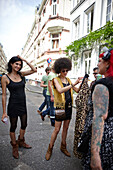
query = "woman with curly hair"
{"x": 63, "y": 98}
{"x": 15, "y": 83}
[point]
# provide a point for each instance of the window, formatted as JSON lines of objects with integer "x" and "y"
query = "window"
{"x": 90, "y": 20}
{"x": 109, "y": 12}
{"x": 54, "y": 7}
{"x": 55, "y": 41}
{"x": 76, "y": 28}
{"x": 75, "y": 2}
{"x": 87, "y": 57}
{"x": 78, "y": 1}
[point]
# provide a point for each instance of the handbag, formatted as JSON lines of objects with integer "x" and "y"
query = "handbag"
{"x": 60, "y": 114}
{"x": 83, "y": 144}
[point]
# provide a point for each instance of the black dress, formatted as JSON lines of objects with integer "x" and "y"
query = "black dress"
{"x": 17, "y": 100}
{"x": 68, "y": 104}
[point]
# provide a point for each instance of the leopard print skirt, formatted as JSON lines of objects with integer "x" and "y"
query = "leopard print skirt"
{"x": 81, "y": 112}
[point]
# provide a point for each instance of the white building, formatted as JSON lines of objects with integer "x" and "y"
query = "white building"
{"x": 3, "y": 60}
{"x": 49, "y": 36}
{"x": 88, "y": 15}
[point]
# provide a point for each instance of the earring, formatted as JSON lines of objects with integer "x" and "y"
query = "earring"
{"x": 107, "y": 68}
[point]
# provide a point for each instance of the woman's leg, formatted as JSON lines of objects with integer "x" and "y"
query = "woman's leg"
{"x": 64, "y": 136}
{"x": 13, "y": 125}
{"x": 65, "y": 130}
{"x": 53, "y": 138}
{"x": 21, "y": 139}
{"x": 23, "y": 120}
{"x": 55, "y": 133}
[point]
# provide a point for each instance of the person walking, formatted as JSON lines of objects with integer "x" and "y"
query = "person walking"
{"x": 44, "y": 84}
{"x": 100, "y": 150}
{"x": 15, "y": 83}
{"x": 50, "y": 98}
{"x": 63, "y": 98}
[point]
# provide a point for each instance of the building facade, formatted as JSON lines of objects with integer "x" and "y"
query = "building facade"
{"x": 3, "y": 60}
{"x": 49, "y": 36}
{"x": 86, "y": 16}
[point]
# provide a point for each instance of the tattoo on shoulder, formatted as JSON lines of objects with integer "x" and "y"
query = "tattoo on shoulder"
{"x": 101, "y": 99}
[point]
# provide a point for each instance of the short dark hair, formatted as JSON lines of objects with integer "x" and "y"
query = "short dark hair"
{"x": 62, "y": 63}
{"x": 13, "y": 60}
{"x": 95, "y": 68}
{"x": 47, "y": 69}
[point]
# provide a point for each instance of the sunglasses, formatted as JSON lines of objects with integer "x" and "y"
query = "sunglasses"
{"x": 95, "y": 73}
{"x": 63, "y": 71}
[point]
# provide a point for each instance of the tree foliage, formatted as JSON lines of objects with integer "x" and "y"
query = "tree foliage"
{"x": 99, "y": 37}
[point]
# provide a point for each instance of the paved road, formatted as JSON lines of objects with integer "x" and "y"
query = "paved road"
{"x": 38, "y": 135}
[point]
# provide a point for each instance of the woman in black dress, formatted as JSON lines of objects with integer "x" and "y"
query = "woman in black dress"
{"x": 15, "y": 83}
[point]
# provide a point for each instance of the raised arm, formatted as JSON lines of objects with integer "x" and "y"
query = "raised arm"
{"x": 28, "y": 72}
{"x": 64, "y": 89}
{"x": 3, "y": 82}
{"x": 100, "y": 106}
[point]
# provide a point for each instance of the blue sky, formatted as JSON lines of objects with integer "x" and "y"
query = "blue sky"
{"x": 16, "y": 19}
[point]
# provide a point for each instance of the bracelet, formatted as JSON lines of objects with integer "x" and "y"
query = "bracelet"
{"x": 72, "y": 85}
{"x": 26, "y": 62}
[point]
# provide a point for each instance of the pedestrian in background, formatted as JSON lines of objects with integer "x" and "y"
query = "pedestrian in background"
{"x": 50, "y": 98}
{"x": 14, "y": 81}
{"x": 44, "y": 84}
{"x": 100, "y": 153}
{"x": 63, "y": 98}
{"x": 95, "y": 73}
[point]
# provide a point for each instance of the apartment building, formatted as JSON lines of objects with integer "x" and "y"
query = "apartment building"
{"x": 49, "y": 36}
{"x": 3, "y": 60}
{"x": 86, "y": 16}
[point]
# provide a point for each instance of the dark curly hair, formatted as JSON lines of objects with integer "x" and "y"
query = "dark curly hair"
{"x": 62, "y": 63}
{"x": 11, "y": 61}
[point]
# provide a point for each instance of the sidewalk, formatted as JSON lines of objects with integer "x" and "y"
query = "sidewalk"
{"x": 34, "y": 88}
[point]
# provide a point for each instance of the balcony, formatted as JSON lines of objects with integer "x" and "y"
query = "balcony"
{"x": 55, "y": 29}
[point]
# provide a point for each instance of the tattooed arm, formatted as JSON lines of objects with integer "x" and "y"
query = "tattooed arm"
{"x": 100, "y": 107}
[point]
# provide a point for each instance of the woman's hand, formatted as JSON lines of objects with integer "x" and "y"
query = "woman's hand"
{"x": 4, "y": 116}
{"x": 95, "y": 161}
{"x": 21, "y": 58}
{"x": 78, "y": 81}
{"x": 27, "y": 72}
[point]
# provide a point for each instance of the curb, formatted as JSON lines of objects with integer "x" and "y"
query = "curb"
{"x": 33, "y": 91}
{"x": 40, "y": 93}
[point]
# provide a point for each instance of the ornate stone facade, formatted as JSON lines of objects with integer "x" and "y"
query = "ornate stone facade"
{"x": 49, "y": 36}
{"x": 3, "y": 60}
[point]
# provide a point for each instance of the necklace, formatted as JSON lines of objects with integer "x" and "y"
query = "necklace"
{"x": 15, "y": 77}
{"x": 64, "y": 81}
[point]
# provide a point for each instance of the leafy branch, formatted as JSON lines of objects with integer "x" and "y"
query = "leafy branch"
{"x": 99, "y": 37}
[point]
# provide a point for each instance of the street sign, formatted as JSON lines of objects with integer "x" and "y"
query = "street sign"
{"x": 49, "y": 60}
